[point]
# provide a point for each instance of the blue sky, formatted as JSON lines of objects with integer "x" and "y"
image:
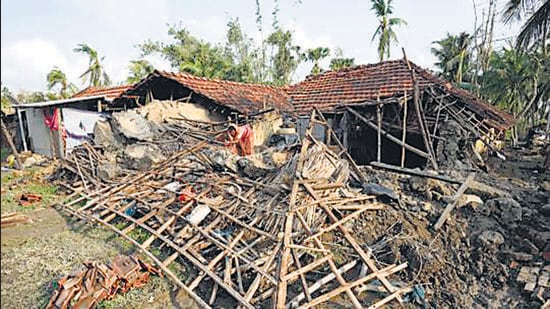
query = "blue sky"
{"x": 38, "y": 35}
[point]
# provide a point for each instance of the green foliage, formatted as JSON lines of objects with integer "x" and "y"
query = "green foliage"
{"x": 315, "y": 55}
{"x": 55, "y": 78}
{"x": 341, "y": 63}
{"x": 239, "y": 60}
{"x": 535, "y": 30}
{"x": 95, "y": 73}
{"x": 247, "y": 65}
{"x": 189, "y": 54}
{"x": 385, "y": 33}
{"x": 519, "y": 82}
{"x": 454, "y": 56}
{"x": 286, "y": 56}
{"x": 6, "y": 101}
{"x": 138, "y": 70}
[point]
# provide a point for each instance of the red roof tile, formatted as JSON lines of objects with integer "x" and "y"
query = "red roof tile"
{"x": 110, "y": 93}
{"x": 386, "y": 79}
{"x": 242, "y": 97}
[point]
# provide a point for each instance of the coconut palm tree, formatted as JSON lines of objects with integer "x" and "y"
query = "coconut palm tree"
{"x": 386, "y": 36}
{"x": 453, "y": 54}
{"x": 341, "y": 63}
{"x": 537, "y": 27}
{"x": 138, "y": 70}
{"x": 315, "y": 55}
{"x": 95, "y": 73}
{"x": 56, "y": 77}
{"x": 518, "y": 82}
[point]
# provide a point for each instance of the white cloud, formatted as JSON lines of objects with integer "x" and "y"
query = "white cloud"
{"x": 26, "y": 63}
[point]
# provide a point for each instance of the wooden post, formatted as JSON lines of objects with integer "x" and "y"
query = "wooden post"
{"x": 404, "y": 136}
{"x": 379, "y": 130}
{"x": 7, "y": 136}
{"x": 20, "y": 120}
{"x": 345, "y": 133}
{"x": 387, "y": 135}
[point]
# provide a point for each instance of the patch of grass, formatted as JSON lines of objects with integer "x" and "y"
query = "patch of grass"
{"x": 11, "y": 194}
{"x": 29, "y": 269}
{"x": 146, "y": 297}
{"x": 4, "y": 153}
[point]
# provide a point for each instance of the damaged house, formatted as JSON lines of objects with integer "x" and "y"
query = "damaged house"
{"x": 50, "y": 128}
{"x": 211, "y": 100}
{"x": 398, "y": 113}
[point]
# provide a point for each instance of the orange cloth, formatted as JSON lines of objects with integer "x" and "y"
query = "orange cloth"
{"x": 243, "y": 142}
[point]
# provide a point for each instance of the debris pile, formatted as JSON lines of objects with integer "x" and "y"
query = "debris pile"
{"x": 282, "y": 237}
{"x": 98, "y": 281}
{"x": 132, "y": 141}
{"x": 303, "y": 225}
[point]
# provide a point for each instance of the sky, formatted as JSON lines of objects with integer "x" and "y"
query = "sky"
{"x": 39, "y": 35}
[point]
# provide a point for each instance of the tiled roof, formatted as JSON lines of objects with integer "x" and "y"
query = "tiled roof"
{"x": 110, "y": 93}
{"x": 386, "y": 79}
{"x": 245, "y": 98}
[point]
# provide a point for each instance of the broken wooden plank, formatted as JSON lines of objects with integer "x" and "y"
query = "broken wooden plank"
{"x": 414, "y": 172}
{"x": 453, "y": 201}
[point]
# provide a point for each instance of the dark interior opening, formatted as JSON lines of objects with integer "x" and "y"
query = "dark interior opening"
{"x": 363, "y": 147}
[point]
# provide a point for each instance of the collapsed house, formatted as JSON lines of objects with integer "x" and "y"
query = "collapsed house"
{"x": 398, "y": 113}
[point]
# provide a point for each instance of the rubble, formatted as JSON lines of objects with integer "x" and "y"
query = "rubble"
{"x": 141, "y": 157}
{"x": 133, "y": 125}
{"x": 226, "y": 219}
{"x": 98, "y": 281}
{"x": 26, "y": 199}
{"x": 237, "y": 233}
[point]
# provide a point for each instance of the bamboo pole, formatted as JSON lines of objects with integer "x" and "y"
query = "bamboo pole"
{"x": 447, "y": 212}
{"x": 379, "y": 131}
{"x": 387, "y": 135}
{"x": 404, "y": 136}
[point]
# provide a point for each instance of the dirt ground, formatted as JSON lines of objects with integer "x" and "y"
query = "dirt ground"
{"x": 37, "y": 254}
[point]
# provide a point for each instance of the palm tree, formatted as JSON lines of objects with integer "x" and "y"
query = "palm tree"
{"x": 56, "y": 77}
{"x": 341, "y": 63}
{"x": 287, "y": 57}
{"x": 383, "y": 9}
{"x": 95, "y": 73}
{"x": 315, "y": 55}
{"x": 453, "y": 54}
{"x": 138, "y": 70}
{"x": 519, "y": 83}
{"x": 536, "y": 28}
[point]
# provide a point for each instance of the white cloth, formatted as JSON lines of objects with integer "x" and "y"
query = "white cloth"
{"x": 78, "y": 124}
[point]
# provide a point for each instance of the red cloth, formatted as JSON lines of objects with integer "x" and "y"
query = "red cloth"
{"x": 52, "y": 121}
{"x": 244, "y": 139}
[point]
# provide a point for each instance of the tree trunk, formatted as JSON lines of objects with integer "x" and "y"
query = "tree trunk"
{"x": 7, "y": 136}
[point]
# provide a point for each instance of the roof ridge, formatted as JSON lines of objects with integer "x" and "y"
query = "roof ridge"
{"x": 219, "y": 80}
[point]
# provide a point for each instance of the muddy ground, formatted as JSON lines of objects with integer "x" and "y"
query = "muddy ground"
{"x": 468, "y": 263}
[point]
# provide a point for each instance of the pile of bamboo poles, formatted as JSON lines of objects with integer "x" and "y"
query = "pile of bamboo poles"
{"x": 281, "y": 239}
